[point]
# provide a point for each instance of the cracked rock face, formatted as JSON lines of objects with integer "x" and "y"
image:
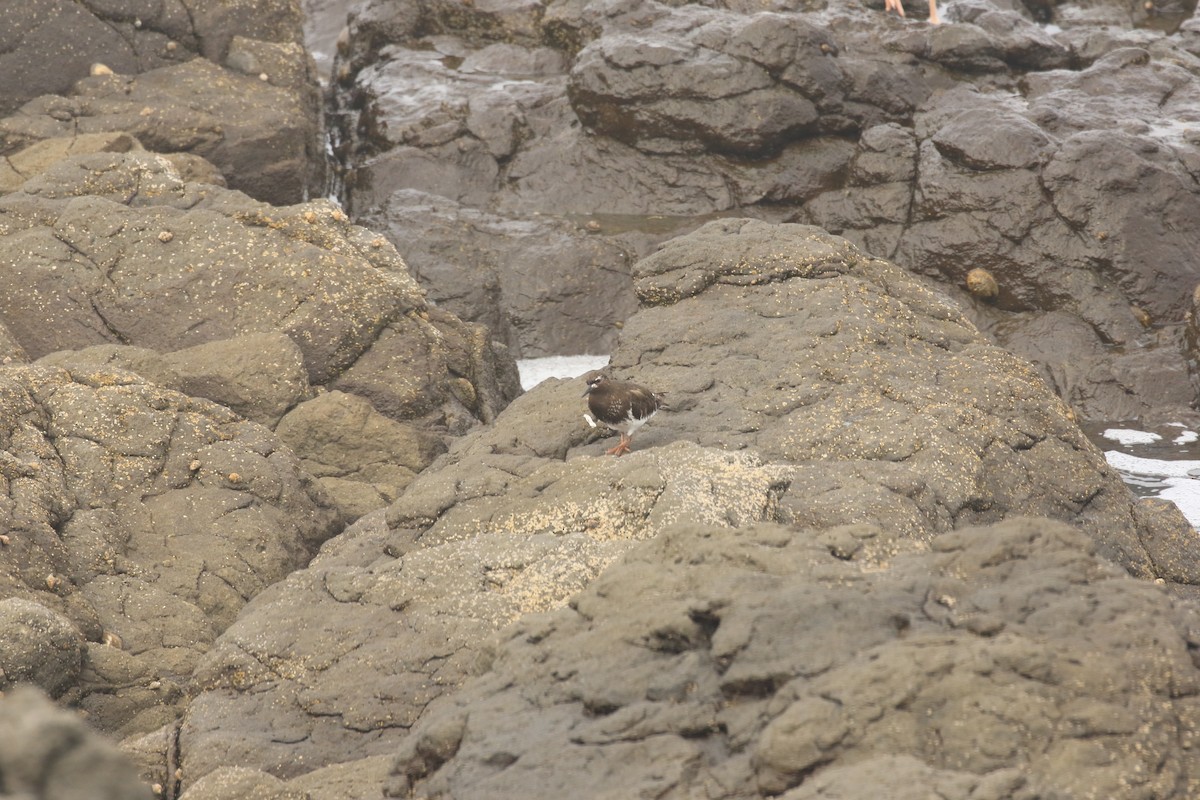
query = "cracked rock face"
{"x": 256, "y": 307}
{"x": 1060, "y": 161}
{"x": 956, "y": 668}
{"x": 383, "y": 645}
{"x": 147, "y": 519}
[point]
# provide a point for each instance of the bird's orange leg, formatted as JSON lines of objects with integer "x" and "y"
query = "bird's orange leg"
{"x": 933, "y": 15}
{"x": 894, "y": 5}
{"x": 621, "y": 449}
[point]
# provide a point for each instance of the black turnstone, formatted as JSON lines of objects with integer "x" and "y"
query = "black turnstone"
{"x": 620, "y": 405}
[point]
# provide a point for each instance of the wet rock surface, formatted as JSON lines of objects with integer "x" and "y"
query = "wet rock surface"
{"x": 542, "y": 287}
{"x": 1061, "y": 159}
{"x": 250, "y": 105}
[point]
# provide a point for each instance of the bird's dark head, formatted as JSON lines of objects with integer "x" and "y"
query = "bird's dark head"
{"x": 594, "y": 379}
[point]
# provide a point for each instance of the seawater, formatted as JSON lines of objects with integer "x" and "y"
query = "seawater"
{"x": 1163, "y": 463}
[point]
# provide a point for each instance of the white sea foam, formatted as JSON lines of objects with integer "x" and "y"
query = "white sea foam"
{"x": 1128, "y": 436}
{"x": 535, "y": 370}
{"x": 1157, "y": 467}
{"x": 1176, "y": 480}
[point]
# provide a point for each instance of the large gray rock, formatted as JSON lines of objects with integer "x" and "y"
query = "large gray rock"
{"x": 696, "y": 92}
{"x": 794, "y": 343}
{"x": 808, "y": 385}
{"x": 763, "y": 662}
{"x": 354, "y": 450}
{"x": 48, "y": 753}
{"x": 145, "y": 518}
{"x": 256, "y": 305}
{"x": 47, "y": 45}
{"x": 264, "y": 136}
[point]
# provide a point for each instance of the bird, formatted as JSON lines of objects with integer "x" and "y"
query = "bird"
{"x": 621, "y": 405}
{"x": 898, "y": 7}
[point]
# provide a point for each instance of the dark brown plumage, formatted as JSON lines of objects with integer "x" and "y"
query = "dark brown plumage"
{"x": 620, "y": 405}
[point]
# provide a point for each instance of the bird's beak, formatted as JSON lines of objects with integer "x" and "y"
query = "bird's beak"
{"x": 586, "y": 392}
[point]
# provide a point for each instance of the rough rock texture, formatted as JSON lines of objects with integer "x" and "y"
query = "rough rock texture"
{"x": 888, "y": 422}
{"x": 410, "y": 600}
{"x": 250, "y": 103}
{"x": 38, "y": 646}
{"x": 542, "y": 287}
{"x": 47, "y": 753}
{"x": 264, "y": 138}
{"x": 1080, "y": 196}
{"x": 811, "y": 578}
{"x": 867, "y": 367}
{"x": 362, "y": 458}
{"x": 37, "y": 158}
{"x": 956, "y": 671}
{"x": 141, "y": 520}
{"x": 256, "y": 305}
{"x": 1064, "y": 163}
{"x": 259, "y": 375}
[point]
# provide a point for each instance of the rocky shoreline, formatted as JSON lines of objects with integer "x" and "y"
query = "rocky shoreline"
{"x": 278, "y": 521}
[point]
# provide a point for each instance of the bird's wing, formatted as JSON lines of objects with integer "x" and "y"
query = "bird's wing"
{"x": 642, "y": 402}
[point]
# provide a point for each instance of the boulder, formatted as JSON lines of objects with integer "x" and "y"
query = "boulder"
{"x": 760, "y": 661}
{"x": 808, "y": 385}
{"x": 49, "y": 753}
{"x": 219, "y": 266}
{"x": 140, "y": 520}
{"x": 351, "y": 448}
{"x": 37, "y": 158}
{"x": 791, "y": 342}
{"x": 259, "y": 375}
{"x": 48, "y": 45}
{"x": 264, "y": 136}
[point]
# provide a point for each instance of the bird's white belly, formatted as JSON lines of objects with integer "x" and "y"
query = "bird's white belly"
{"x": 630, "y": 424}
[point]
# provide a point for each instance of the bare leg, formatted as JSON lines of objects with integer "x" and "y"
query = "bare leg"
{"x": 621, "y": 449}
